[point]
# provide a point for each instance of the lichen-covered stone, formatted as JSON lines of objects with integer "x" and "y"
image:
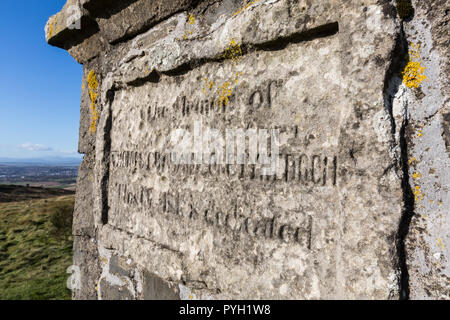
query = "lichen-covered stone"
{"x": 427, "y": 245}
{"x": 336, "y": 219}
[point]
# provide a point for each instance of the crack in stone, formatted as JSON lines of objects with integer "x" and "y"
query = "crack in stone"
{"x": 392, "y": 85}
{"x": 136, "y": 236}
{"x": 106, "y": 157}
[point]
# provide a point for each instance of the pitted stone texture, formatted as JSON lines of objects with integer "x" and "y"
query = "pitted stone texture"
{"x": 136, "y": 16}
{"x": 154, "y": 288}
{"x": 169, "y": 46}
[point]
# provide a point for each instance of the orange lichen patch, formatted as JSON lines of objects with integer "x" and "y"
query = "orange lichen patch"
{"x": 236, "y": 77}
{"x": 417, "y": 194}
{"x": 417, "y": 175}
{"x": 191, "y": 19}
{"x": 209, "y": 84}
{"x": 224, "y": 93}
{"x": 93, "y": 94}
{"x": 52, "y": 27}
{"x": 419, "y": 133}
{"x": 233, "y": 51}
{"x": 246, "y": 6}
{"x": 413, "y": 74}
{"x": 225, "y": 90}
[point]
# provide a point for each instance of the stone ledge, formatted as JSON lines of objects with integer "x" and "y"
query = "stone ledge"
{"x": 70, "y": 26}
{"x": 84, "y": 27}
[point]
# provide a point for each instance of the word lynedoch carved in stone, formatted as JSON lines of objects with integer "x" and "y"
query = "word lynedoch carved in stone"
{"x": 228, "y": 218}
{"x": 317, "y": 170}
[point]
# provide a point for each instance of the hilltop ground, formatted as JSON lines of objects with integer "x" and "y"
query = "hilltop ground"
{"x": 35, "y": 244}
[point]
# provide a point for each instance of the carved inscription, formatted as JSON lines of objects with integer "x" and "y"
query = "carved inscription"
{"x": 317, "y": 170}
{"x": 228, "y": 219}
{"x": 262, "y": 97}
{"x": 185, "y": 165}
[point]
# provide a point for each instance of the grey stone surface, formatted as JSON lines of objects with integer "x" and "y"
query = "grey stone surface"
{"x": 429, "y": 236}
{"x": 337, "y": 219}
{"x": 83, "y": 220}
{"x": 154, "y": 288}
{"x": 86, "y": 258}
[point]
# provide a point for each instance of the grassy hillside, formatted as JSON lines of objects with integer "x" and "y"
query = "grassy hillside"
{"x": 9, "y": 193}
{"x": 35, "y": 248}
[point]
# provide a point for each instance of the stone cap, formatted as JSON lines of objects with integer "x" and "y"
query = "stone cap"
{"x": 86, "y": 27}
{"x": 69, "y": 26}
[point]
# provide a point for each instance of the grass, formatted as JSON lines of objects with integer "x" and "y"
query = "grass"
{"x": 35, "y": 249}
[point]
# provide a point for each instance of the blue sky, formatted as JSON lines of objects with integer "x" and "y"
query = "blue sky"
{"x": 40, "y": 85}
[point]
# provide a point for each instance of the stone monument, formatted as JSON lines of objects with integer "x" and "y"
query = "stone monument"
{"x": 261, "y": 149}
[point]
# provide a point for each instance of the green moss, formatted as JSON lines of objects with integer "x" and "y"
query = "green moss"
{"x": 404, "y": 8}
{"x": 35, "y": 249}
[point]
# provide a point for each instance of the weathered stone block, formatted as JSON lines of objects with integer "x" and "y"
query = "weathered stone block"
{"x": 271, "y": 149}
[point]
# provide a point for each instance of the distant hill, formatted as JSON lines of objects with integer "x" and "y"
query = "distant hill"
{"x": 12, "y": 193}
{"x": 46, "y": 161}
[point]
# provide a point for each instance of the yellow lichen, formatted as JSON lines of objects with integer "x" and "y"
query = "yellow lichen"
{"x": 413, "y": 74}
{"x": 412, "y": 161}
{"x": 191, "y": 19}
{"x": 440, "y": 243}
{"x": 417, "y": 175}
{"x": 246, "y": 6}
{"x": 93, "y": 94}
{"x": 208, "y": 85}
{"x": 233, "y": 51}
{"x": 419, "y": 133}
{"x": 51, "y": 27}
{"x": 236, "y": 77}
{"x": 224, "y": 93}
{"x": 417, "y": 194}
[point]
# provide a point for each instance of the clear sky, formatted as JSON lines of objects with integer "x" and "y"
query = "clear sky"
{"x": 40, "y": 85}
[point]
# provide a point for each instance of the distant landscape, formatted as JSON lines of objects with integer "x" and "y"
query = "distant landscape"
{"x": 49, "y": 172}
